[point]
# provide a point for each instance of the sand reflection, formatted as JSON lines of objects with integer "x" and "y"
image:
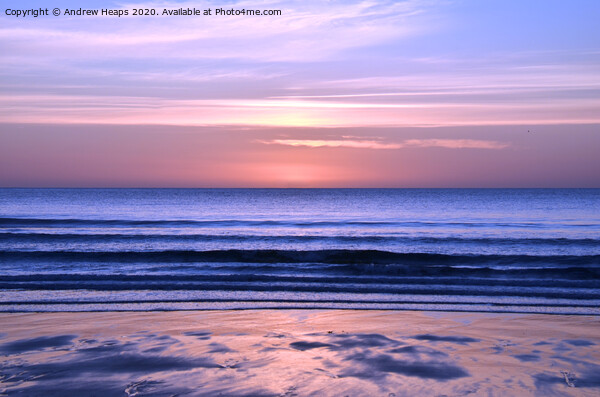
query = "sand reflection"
{"x": 297, "y": 353}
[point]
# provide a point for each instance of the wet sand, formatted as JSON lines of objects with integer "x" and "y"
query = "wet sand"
{"x": 298, "y": 353}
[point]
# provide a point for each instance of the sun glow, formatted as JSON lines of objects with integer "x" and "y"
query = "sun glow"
{"x": 293, "y": 174}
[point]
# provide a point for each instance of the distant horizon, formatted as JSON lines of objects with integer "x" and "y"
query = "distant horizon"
{"x": 287, "y": 188}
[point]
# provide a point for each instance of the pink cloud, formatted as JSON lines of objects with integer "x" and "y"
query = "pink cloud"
{"x": 90, "y": 109}
{"x": 371, "y": 144}
{"x": 456, "y": 143}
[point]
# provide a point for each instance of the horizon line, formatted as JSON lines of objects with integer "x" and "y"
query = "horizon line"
{"x": 286, "y": 188}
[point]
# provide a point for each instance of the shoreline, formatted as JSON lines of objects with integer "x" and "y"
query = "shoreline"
{"x": 309, "y": 309}
{"x": 299, "y": 352}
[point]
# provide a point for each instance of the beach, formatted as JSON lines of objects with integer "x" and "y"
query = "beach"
{"x": 299, "y": 353}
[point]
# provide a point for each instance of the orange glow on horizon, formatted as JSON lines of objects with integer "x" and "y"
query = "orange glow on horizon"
{"x": 293, "y": 174}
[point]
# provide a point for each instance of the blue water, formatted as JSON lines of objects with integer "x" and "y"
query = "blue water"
{"x": 498, "y": 250}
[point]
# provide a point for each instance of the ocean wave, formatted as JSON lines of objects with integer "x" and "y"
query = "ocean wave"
{"x": 34, "y": 237}
{"x": 275, "y": 278}
{"x": 316, "y": 288}
{"x": 593, "y": 304}
{"x": 338, "y": 256}
{"x": 8, "y": 222}
{"x": 249, "y": 305}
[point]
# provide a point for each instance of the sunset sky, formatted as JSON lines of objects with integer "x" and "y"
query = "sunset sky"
{"x": 416, "y": 93}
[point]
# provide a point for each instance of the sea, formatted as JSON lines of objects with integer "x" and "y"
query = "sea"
{"x": 476, "y": 250}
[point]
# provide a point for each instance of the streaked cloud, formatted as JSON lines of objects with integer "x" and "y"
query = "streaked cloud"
{"x": 330, "y": 64}
{"x": 69, "y": 109}
{"x": 315, "y": 143}
{"x": 306, "y": 31}
{"x": 104, "y": 109}
{"x": 456, "y": 143}
{"x": 372, "y": 144}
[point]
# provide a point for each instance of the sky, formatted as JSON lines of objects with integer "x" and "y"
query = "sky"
{"x": 414, "y": 93}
